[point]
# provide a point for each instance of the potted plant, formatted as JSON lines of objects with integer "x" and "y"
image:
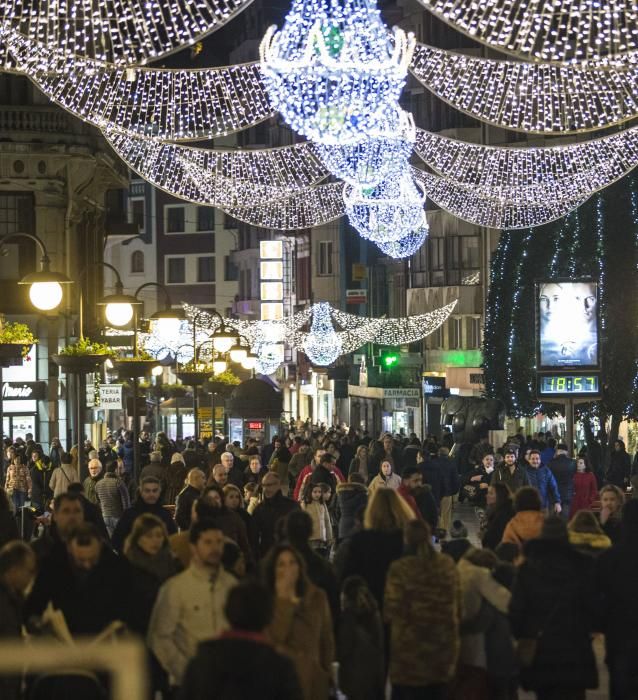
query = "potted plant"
{"x": 222, "y": 384}
{"x": 194, "y": 374}
{"x": 15, "y": 342}
{"x": 139, "y": 365}
{"x": 83, "y": 357}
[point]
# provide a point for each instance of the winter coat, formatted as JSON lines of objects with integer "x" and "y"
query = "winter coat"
{"x": 41, "y": 493}
{"x": 360, "y": 468}
{"x": 380, "y": 481}
{"x": 112, "y": 495}
{"x": 619, "y": 469}
{"x": 369, "y": 554}
{"x": 495, "y": 524}
{"x": 265, "y": 518}
{"x": 61, "y": 478}
{"x": 175, "y": 480}
{"x": 250, "y": 478}
{"x": 544, "y": 482}
{"x": 128, "y": 452}
{"x": 590, "y": 543}
{"x": 480, "y": 494}
{"x": 612, "y": 528}
{"x": 11, "y": 620}
{"x": 125, "y": 523}
{"x": 189, "y": 609}
{"x": 563, "y": 468}
{"x": 184, "y": 505}
{"x": 157, "y": 470}
{"x": 219, "y": 670}
{"x": 585, "y": 489}
{"x": 433, "y": 478}
{"x": 351, "y": 497}
{"x": 8, "y": 527}
{"x": 423, "y": 608}
{"x": 450, "y": 482}
{"x": 361, "y": 657}
{"x": 524, "y": 526}
{"x": 554, "y": 601}
{"x": 321, "y": 526}
{"x": 426, "y": 506}
{"x": 18, "y": 479}
{"x": 303, "y": 631}
{"x": 88, "y": 486}
{"x": 515, "y": 480}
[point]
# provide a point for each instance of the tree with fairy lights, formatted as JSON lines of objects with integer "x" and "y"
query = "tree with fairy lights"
{"x": 599, "y": 240}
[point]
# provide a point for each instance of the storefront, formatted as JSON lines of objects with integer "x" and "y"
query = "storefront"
{"x": 434, "y": 392}
{"x": 254, "y": 411}
{"x": 385, "y": 409}
{"x": 20, "y": 395}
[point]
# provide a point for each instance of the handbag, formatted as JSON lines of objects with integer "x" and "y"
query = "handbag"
{"x": 470, "y": 491}
{"x": 527, "y": 647}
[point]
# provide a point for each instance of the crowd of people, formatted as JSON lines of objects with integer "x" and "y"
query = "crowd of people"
{"x": 328, "y": 563}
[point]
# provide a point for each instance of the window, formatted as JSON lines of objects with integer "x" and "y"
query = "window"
{"x": 231, "y": 273}
{"x": 174, "y": 219}
{"x": 473, "y": 329}
{"x": 470, "y": 252}
{"x": 205, "y": 219}
{"x": 206, "y": 269}
{"x": 176, "y": 271}
{"x": 137, "y": 262}
{"x": 137, "y": 213}
{"x": 454, "y": 333}
{"x": 324, "y": 261}
{"x": 436, "y": 339}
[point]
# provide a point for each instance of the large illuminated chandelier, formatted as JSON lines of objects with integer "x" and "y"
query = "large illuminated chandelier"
{"x": 383, "y": 154}
{"x": 322, "y": 345}
{"x": 406, "y": 246}
{"x": 333, "y": 68}
{"x": 388, "y": 211}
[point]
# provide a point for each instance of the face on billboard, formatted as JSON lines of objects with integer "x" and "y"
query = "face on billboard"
{"x": 568, "y": 324}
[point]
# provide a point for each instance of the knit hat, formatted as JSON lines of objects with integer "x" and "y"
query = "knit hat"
{"x": 177, "y": 457}
{"x": 458, "y": 530}
{"x": 554, "y": 528}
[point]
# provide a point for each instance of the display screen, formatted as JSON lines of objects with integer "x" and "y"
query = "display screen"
{"x": 554, "y": 384}
{"x": 255, "y": 425}
{"x": 567, "y": 313}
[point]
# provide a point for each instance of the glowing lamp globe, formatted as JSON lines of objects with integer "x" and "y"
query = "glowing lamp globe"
{"x": 166, "y": 327}
{"x": 119, "y": 313}
{"x": 219, "y": 366}
{"x": 384, "y": 213}
{"x": 45, "y": 296}
{"x": 333, "y": 67}
{"x": 405, "y": 247}
{"x": 223, "y": 341}
{"x": 381, "y": 156}
{"x": 238, "y": 353}
{"x": 249, "y": 361}
{"x": 322, "y": 345}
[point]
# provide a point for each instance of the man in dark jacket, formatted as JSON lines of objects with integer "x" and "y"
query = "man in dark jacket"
{"x": 41, "y": 471}
{"x": 351, "y": 497}
{"x": 389, "y": 452}
{"x": 156, "y": 469}
{"x": 67, "y": 515}
{"x": 147, "y": 502}
{"x": 17, "y": 569}
{"x": 616, "y": 576}
{"x": 195, "y": 482}
{"x": 563, "y": 468}
{"x": 267, "y": 514}
{"x": 510, "y": 473}
{"x": 450, "y": 484}
{"x": 83, "y": 583}
{"x": 219, "y": 668}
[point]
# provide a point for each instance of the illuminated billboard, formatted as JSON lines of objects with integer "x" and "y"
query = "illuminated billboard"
{"x": 567, "y": 323}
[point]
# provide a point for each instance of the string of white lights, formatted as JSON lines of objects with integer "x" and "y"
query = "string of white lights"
{"x": 322, "y": 344}
{"x": 532, "y": 174}
{"x": 463, "y": 202}
{"x": 529, "y": 97}
{"x": 122, "y": 32}
{"x": 562, "y": 31}
{"x": 230, "y": 178}
{"x": 406, "y": 246}
{"x": 313, "y": 207}
{"x": 159, "y": 103}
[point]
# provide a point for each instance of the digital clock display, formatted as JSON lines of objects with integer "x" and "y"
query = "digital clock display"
{"x": 554, "y": 384}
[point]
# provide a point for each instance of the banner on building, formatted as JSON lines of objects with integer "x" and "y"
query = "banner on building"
{"x": 111, "y": 396}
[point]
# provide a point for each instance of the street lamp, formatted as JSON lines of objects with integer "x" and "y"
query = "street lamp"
{"x": 167, "y": 321}
{"x": 119, "y": 307}
{"x": 45, "y": 286}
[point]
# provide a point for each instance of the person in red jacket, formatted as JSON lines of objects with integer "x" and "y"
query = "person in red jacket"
{"x": 308, "y": 469}
{"x": 585, "y": 487}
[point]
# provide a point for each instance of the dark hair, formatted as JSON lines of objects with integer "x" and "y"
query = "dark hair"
{"x": 307, "y": 496}
{"x": 298, "y": 528}
{"x": 249, "y": 606}
{"x": 503, "y": 494}
{"x": 270, "y": 565}
{"x": 507, "y": 551}
{"x": 66, "y": 458}
{"x": 326, "y": 458}
{"x": 68, "y": 496}
{"x": 527, "y": 498}
{"x": 75, "y": 487}
{"x": 356, "y": 478}
{"x": 357, "y": 597}
{"x": 230, "y": 555}
{"x": 585, "y": 459}
{"x": 84, "y": 534}
{"x": 534, "y": 452}
{"x": 200, "y": 527}
{"x": 150, "y": 480}
{"x": 14, "y": 553}
{"x": 111, "y": 466}
{"x": 410, "y": 471}
{"x": 213, "y": 487}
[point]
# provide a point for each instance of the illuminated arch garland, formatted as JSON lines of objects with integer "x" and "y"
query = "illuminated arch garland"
{"x": 561, "y": 31}
{"x": 322, "y": 344}
{"x": 529, "y": 97}
{"x": 122, "y": 32}
{"x": 153, "y": 102}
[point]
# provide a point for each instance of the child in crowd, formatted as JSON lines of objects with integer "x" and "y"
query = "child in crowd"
{"x": 314, "y": 504}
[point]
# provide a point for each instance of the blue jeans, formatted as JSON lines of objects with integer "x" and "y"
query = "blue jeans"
{"x": 19, "y": 498}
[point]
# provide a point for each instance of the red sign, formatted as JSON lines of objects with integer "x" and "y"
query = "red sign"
{"x": 254, "y": 425}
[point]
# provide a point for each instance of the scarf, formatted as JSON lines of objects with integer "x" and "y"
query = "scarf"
{"x": 163, "y": 565}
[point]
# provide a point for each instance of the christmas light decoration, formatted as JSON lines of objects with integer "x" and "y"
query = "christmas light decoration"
{"x": 405, "y": 247}
{"x": 218, "y": 178}
{"x": 562, "y": 31}
{"x": 333, "y": 67}
{"x": 122, "y": 32}
{"x": 380, "y": 156}
{"x": 532, "y": 174}
{"x": 159, "y": 103}
{"x": 322, "y": 345}
{"x": 530, "y": 97}
{"x": 313, "y": 207}
{"x": 463, "y": 202}
{"x": 388, "y": 211}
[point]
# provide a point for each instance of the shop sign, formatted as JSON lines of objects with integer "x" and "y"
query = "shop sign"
{"x": 356, "y": 296}
{"x": 21, "y": 391}
{"x": 111, "y": 396}
{"x": 401, "y": 393}
{"x": 464, "y": 378}
{"x": 359, "y": 272}
{"x": 434, "y": 387}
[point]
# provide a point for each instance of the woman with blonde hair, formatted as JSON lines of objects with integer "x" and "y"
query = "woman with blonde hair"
{"x": 586, "y": 534}
{"x": 371, "y": 551}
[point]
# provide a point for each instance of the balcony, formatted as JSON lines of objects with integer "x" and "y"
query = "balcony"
{"x": 49, "y": 120}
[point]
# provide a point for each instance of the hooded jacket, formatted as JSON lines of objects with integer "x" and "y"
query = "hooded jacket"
{"x": 351, "y": 497}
